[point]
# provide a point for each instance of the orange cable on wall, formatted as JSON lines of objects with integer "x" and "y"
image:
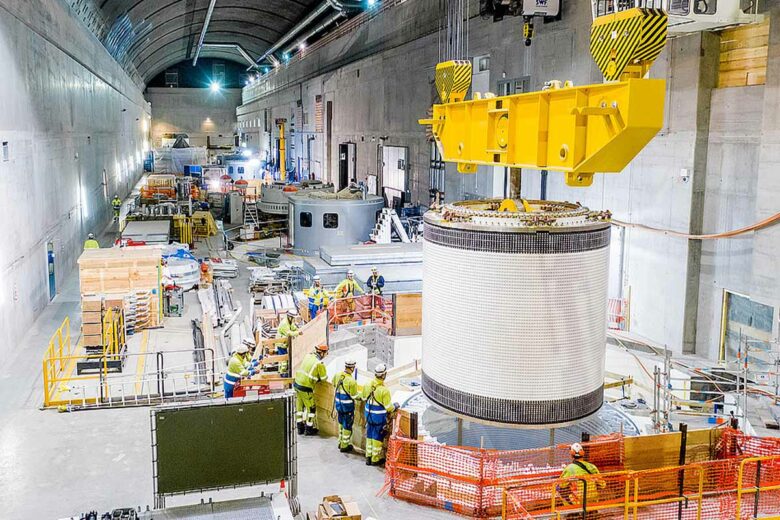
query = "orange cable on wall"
{"x": 726, "y": 234}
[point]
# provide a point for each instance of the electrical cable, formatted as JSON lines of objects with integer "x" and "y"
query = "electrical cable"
{"x": 713, "y": 236}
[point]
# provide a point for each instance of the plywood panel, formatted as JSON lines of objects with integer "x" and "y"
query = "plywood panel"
{"x": 656, "y": 451}
{"x": 312, "y": 334}
{"x": 408, "y": 314}
{"x": 743, "y": 55}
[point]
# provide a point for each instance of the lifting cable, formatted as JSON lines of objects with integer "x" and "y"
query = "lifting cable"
{"x": 726, "y": 234}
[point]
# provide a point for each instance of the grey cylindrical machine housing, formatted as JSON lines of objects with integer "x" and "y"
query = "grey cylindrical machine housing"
{"x": 349, "y": 221}
{"x": 514, "y": 313}
{"x": 274, "y": 198}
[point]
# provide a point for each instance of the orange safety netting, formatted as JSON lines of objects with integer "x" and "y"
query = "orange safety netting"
{"x": 471, "y": 481}
{"x": 722, "y": 488}
{"x": 365, "y": 308}
{"x": 525, "y": 484}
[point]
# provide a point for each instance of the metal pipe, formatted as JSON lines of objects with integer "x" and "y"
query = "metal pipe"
{"x": 315, "y": 30}
{"x": 324, "y": 6}
{"x": 203, "y": 31}
{"x": 235, "y": 46}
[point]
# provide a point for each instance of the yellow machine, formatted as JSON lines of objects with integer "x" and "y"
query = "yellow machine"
{"x": 282, "y": 150}
{"x": 578, "y": 130}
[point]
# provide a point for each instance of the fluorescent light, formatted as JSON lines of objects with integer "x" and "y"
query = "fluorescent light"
{"x": 302, "y": 46}
{"x": 215, "y": 86}
{"x": 246, "y": 153}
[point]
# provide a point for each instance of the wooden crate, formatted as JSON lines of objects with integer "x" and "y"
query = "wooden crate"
{"x": 114, "y": 303}
{"x": 743, "y": 55}
{"x": 89, "y": 329}
{"x": 91, "y": 303}
{"x": 91, "y": 317}
{"x": 118, "y": 271}
{"x": 92, "y": 340}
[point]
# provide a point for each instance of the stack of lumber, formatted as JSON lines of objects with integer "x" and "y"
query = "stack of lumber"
{"x": 743, "y": 55}
{"x": 115, "y": 274}
{"x": 93, "y": 311}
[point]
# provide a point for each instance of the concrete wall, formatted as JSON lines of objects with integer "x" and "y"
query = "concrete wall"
{"x": 198, "y": 112}
{"x": 700, "y": 174}
{"x": 68, "y": 113}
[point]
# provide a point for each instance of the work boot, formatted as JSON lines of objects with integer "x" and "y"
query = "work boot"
{"x": 380, "y": 462}
{"x": 301, "y": 428}
{"x": 311, "y": 431}
{"x": 345, "y": 449}
{"x": 368, "y": 461}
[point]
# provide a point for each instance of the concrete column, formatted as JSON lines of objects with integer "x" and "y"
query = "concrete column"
{"x": 707, "y": 80}
{"x": 766, "y": 242}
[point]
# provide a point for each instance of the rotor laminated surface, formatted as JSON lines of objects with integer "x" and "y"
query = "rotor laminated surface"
{"x": 514, "y": 312}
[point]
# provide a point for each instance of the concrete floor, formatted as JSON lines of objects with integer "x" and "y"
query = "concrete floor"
{"x": 54, "y": 465}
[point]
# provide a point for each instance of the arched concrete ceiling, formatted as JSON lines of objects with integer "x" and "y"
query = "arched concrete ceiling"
{"x": 156, "y": 34}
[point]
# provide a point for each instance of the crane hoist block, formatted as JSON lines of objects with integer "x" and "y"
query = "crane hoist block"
{"x": 627, "y": 41}
{"x": 578, "y": 130}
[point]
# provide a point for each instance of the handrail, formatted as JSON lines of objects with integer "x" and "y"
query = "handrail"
{"x": 377, "y": 311}
{"x": 757, "y": 489}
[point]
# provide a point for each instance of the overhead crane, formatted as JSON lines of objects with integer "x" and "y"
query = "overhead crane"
{"x": 577, "y": 130}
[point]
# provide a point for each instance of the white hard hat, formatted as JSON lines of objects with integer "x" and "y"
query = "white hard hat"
{"x": 373, "y": 268}
{"x": 350, "y": 363}
{"x": 91, "y": 235}
{"x": 380, "y": 370}
{"x": 248, "y": 341}
{"x": 242, "y": 348}
{"x": 576, "y": 450}
{"x": 316, "y": 278}
{"x": 350, "y": 272}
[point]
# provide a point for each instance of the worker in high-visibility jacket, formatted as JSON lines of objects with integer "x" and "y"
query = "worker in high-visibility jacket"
{"x": 116, "y": 205}
{"x": 310, "y": 372}
{"x": 375, "y": 282}
{"x": 347, "y": 392}
{"x": 240, "y": 365}
{"x": 287, "y": 330}
{"x": 346, "y": 291}
{"x": 91, "y": 243}
{"x": 318, "y": 297}
{"x": 379, "y": 406}
{"x": 573, "y": 491}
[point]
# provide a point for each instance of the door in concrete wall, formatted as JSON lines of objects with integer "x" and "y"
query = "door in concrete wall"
{"x": 394, "y": 174}
{"x": 50, "y": 266}
{"x": 347, "y": 164}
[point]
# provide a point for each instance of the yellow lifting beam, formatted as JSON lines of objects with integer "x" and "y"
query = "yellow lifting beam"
{"x": 578, "y": 130}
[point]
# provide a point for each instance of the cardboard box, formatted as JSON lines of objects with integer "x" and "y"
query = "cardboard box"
{"x": 336, "y": 507}
{"x": 92, "y": 303}
{"x": 89, "y": 329}
{"x": 92, "y": 341}
{"x": 91, "y": 317}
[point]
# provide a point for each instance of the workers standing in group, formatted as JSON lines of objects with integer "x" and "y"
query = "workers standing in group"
{"x": 572, "y": 491}
{"x": 240, "y": 365}
{"x": 347, "y": 392}
{"x": 379, "y": 406}
{"x": 116, "y": 204}
{"x": 318, "y": 298}
{"x": 310, "y": 372}
{"x": 91, "y": 243}
{"x": 346, "y": 291}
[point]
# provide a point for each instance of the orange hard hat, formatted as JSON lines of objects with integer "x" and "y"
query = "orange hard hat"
{"x": 322, "y": 348}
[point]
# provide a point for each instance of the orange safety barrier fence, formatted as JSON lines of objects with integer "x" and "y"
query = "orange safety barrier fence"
{"x": 470, "y": 481}
{"x": 731, "y": 486}
{"x": 365, "y": 308}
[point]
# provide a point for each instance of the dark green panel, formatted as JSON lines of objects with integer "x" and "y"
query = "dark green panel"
{"x": 216, "y": 446}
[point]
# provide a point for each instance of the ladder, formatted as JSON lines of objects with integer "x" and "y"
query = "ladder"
{"x": 251, "y": 216}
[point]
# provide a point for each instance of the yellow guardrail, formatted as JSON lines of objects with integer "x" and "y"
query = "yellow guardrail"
{"x": 756, "y": 489}
{"x": 58, "y": 363}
